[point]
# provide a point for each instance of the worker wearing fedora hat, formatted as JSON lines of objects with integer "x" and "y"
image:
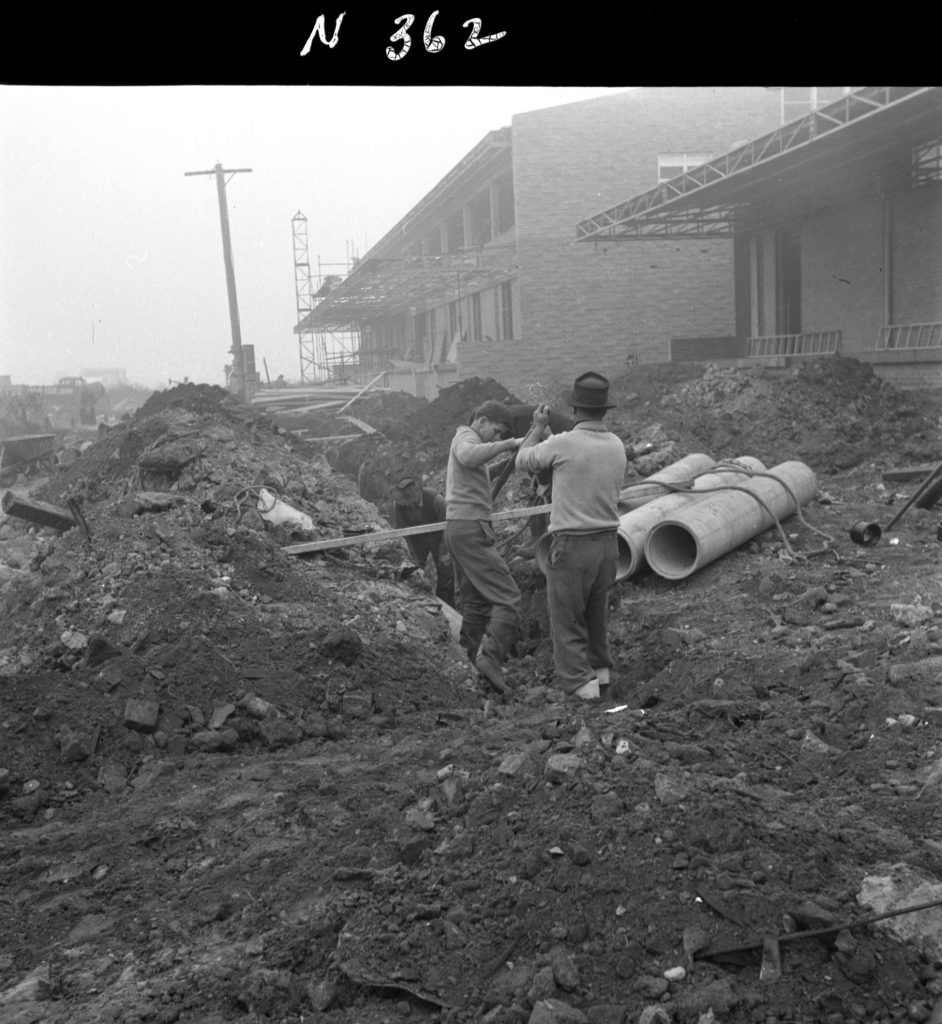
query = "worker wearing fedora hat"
{"x": 588, "y": 464}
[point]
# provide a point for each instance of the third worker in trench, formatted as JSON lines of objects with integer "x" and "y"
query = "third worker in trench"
{"x": 415, "y": 505}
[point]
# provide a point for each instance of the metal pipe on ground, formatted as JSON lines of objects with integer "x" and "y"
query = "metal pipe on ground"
{"x": 651, "y": 488}
{"x": 635, "y": 526}
{"x": 722, "y": 521}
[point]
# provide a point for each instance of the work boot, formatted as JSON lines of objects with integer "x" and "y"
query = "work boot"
{"x": 470, "y": 635}
{"x": 495, "y": 648}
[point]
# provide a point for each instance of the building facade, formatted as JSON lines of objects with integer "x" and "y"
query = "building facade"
{"x": 484, "y": 278}
{"x": 836, "y": 222}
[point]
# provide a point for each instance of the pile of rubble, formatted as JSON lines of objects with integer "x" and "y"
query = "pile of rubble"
{"x": 240, "y": 784}
{"x": 177, "y": 622}
{"x": 833, "y": 413}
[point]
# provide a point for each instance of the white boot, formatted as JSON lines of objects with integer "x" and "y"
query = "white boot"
{"x": 589, "y": 690}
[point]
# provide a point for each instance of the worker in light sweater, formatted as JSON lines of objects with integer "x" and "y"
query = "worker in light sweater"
{"x": 588, "y": 464}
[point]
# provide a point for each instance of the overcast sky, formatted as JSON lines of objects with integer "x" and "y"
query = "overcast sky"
{"x": 111, "y": 257}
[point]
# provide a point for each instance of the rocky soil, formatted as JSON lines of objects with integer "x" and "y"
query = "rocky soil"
{"x": 241, "y": 784}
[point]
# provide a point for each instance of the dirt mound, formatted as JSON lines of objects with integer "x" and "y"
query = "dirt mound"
{"x": 181, "y": 599}
{"x": 241, "y": 784}
{"x": 832, "y": 413}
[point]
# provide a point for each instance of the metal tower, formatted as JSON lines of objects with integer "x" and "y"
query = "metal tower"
{"x": 304, "y": 292}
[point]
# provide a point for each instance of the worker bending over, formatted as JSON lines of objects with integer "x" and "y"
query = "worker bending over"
{"x": 588, "y": 464}
{"x": 415, "y": 505}
{"x": 490, "y": 598}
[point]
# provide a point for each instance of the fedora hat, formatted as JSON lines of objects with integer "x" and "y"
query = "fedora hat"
{"x": 590, "y": 391}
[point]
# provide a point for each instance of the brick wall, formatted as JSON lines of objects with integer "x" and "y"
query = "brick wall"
{"x": 843, "y": 260}
{"x": 842, "y": 279}
{"x": 604, "y": 304}
{"x": 917, "y": 256}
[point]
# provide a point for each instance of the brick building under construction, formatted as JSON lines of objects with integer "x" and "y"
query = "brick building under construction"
{"x": 483, "y": 277}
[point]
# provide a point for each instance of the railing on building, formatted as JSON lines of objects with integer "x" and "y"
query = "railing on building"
{"x": 904, "y": 336}
{"x": 813, "y": 343}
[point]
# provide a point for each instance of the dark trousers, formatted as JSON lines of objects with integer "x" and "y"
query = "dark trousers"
{"x": 580, "y": 572}
{"x": 488, "y": 591}
{"x": 424, "y": 546}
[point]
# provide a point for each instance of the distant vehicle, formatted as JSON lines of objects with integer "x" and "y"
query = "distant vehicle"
{"x": 72, "y": 401}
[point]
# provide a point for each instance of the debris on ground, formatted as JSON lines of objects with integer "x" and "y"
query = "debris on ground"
{"x": 238, "y": 784}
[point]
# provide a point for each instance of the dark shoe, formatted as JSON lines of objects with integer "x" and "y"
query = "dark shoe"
{"x": 488, "y": 668}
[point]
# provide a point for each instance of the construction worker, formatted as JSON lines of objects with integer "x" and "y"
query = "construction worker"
{"x": 541, "y": 482}
{"x": 588, "y": 464}
{"x": 489, "y": 595}
{"x": 415, "y": 505}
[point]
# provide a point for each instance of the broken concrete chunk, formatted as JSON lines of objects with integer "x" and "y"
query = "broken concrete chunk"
{"x": 420, "y": 819}
{"x": 560, "y": 767}
{"x": 812, "y": 746}
{"x": 218, "y": 718}
{"x": 555, "y": 1011}
{"x": 927, "y": 670}
{"x": 148, "y": 501}
{"x": 811, "y": 916}
{"x": 36, "y": 986}
{"x": 73, "y": 640}
{"x": 670, "y": 790}
{"x": 38, "y": 512}
{"x": 141, "y": 715}
{"x": 72, "y": 747}
{"x": 564, "y": 969}
{"x": 899, "y": 885}
{"x": 212, "y": 741}
{"x": 256, "y": 707}
{"x": 277, "y": 733}
{"x": 171, "y": 457}
{"x": 515, "y": 764}
{"x": 112, "y": 777}
{"x": 910, "y": 615}
{"x": 654, "y": 1015}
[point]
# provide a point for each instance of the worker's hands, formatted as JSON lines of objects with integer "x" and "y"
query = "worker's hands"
{"x": 511, "y": 443}
{"x": 541, "y": 415}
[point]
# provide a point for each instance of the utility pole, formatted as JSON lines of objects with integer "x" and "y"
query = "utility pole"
{"x": 241, "y": 372}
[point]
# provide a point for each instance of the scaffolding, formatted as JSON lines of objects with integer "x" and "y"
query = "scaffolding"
{"x": 324, "y": 354}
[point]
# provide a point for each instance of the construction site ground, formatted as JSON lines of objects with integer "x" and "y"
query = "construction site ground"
{"x": 240, "y": 784}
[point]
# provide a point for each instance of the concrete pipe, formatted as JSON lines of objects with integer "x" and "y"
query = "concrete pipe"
{"x": 635, "y": 526}
{"x": 720, "y": 522}
{"x": 635, "y": 495}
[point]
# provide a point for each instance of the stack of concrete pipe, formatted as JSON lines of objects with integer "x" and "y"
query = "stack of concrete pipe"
{"x": 718, "y": 523}
{"x": 635, "y": 526}
{"x": 680, "y": 532}
{"x": 650, "y": 488}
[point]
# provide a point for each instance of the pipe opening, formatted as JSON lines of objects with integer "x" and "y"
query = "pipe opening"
{"x": 672, "y": 551}
{"x": 629, "y": 558}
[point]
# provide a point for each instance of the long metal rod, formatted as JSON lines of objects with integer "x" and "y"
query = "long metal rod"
{"x": 706, "y": 954}
{"x": 920, "y": 491}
